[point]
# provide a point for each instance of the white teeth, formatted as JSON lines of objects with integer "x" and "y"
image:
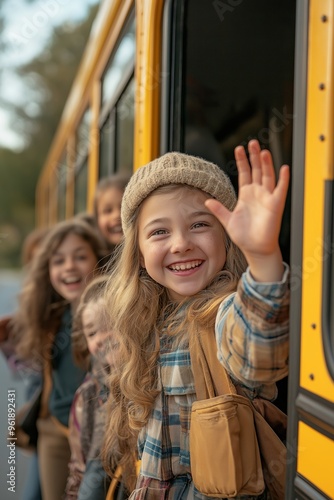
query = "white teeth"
{"x": 115, "y": 229}
{"x": 71, "y": 280}
{"x": 185, "y": 266}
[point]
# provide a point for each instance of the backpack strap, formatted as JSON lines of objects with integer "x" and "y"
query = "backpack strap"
{"x": 211, "y": 378}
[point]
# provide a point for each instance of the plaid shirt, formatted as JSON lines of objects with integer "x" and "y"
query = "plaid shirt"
{"x": 252, "y": 339}
{"x": 86, "y": 433}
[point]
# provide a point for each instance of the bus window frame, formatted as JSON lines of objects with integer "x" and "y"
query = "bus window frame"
{"x": 172, "y": 44}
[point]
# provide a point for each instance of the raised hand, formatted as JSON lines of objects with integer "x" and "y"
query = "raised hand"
{"x": 254, "y": 224}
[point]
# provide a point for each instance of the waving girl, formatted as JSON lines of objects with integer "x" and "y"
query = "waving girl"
{"x": 187, "y": 242}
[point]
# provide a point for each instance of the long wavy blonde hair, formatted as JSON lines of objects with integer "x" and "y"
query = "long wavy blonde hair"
{"x": 140, "y": 308}
{"x": 40, "y": 307}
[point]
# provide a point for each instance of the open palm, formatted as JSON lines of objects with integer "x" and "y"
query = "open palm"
{"x": 255, "y": 222}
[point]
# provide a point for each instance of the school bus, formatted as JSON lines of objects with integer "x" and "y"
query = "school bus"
{"x": 201, "y": 77}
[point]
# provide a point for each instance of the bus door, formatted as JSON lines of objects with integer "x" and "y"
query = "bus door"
{"x": 311, "y": 386}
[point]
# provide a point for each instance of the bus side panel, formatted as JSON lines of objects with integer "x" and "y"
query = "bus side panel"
{"x": 315, "y": 400}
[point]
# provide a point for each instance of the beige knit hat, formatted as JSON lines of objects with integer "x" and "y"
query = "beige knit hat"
{"x": 176, "y": 168}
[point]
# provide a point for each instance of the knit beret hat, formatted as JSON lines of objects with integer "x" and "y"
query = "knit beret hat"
{"x": 176, "y": 168}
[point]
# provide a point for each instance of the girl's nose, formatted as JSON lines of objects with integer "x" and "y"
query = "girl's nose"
{"x": 181, "y": 242}
{"x": 100, "y": 340}
{"x": 116, "y": 213}
{"x": 69, "y": 263}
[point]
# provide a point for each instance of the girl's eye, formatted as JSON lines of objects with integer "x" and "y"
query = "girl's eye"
{"x": 81, "y": 257}
{"x": 57, "y": 262}
{"x": 200, "y": 224}
{"x": 158, "y": 232}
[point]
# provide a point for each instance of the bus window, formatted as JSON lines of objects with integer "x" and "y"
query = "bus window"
{"x": 107, "y": 146}
{"x": 238, "y": 79}
{"x": 80, "y": 189}
{"x": 121, "y": 63}
{"x": 49, "y": 197}
{"x": 125, "y": 129}
{"x": 82, "y": 148}
{"x": 61, "y": 173}
{"x": 117, "y": 111}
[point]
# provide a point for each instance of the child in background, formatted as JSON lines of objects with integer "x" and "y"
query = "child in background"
{"x": 29, "y": 249}
{"x": 182, "y": 267}
{"x": 107, "y": 208}
{"x": 62, "y": 267}
{"x": 92, "y": 348}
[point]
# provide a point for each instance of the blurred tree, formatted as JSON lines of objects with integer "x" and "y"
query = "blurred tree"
{"x": 5, "y": 42}
{"x": 2, "y": 43}
{"x": 48, "y": 78}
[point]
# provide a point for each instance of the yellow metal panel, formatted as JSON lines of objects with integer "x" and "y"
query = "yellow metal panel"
{"x": 148, "y": 80}
{"x": 93, "y": 164}
{"x": 315, "y": 458}
{"x": 318, "y": 168}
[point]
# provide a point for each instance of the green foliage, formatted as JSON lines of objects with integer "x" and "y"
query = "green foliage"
{"x": 48, "y": 79}
{"x": 16, "y": 206}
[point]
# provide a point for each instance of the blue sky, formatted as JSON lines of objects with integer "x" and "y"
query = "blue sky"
{"x": 27, "y": 28}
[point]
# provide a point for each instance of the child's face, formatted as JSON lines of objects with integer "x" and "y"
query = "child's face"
{"x": 110, "y": 354}
{"x": 96, "y": 337}
{"x": 109, "y": 215}
{"x": 71, "y": 267}
{"x": 182, "y": 244}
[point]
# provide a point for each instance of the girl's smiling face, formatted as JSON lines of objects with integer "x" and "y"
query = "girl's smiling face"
{"x": 96, "y": 336}
{"x": 71, "y": 267}
{"x": 109, "y": 215}
{"x": 182, "y": 244}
